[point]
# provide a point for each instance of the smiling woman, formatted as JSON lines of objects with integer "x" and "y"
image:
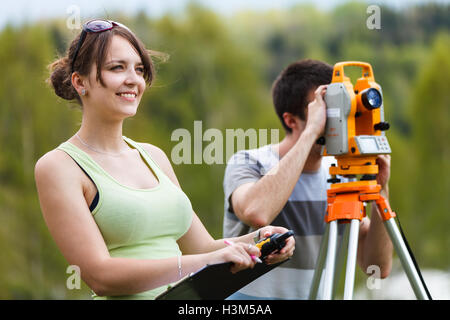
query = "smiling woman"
{"x": 89, "y": 48}
{"x": 114, "y": 206}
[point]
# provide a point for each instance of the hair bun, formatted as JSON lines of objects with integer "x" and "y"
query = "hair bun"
{"x": 61, "y": 79}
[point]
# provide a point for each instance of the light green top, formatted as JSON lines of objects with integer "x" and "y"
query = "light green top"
{"x": 137, "y": 223}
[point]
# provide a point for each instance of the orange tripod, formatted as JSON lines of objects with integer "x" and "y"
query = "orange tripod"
{"x": 346, "y": 205}
{"x": 354, "y": 135}
{"x": 345, "y": 201}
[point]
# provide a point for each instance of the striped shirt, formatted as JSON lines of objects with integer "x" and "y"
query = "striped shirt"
{"x": 303, "y": 213}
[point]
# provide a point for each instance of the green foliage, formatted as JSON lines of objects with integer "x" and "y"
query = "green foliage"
{"x": 430, "y": 116}
{"x": 220, "y": 71}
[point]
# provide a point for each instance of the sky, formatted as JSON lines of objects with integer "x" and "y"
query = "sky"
{"x": 20, "y": 11}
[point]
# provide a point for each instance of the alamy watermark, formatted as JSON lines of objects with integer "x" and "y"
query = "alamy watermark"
{"x": 373, "y": 282}
{"x": 374, "y": 20}
{"x": 220, "y": 147}
{"x": 74, "y": 280}
{"x": 73, "y": 21}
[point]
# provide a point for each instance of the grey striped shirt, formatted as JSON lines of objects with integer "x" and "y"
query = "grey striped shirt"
{"x": 303, "y": 213}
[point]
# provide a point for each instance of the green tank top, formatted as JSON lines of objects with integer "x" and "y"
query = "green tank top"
{"x": 137, "y": 223}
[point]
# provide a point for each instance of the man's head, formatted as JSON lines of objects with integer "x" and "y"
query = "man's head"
{"x": 293, "y": 89}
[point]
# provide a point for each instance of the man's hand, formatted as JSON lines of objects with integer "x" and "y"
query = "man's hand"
{"x": 316, "y": 112}
{"x": 384, "y": 170}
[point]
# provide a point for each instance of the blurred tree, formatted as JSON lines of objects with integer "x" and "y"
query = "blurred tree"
{"x": 31, "y": 123}
{"x": 430, "y": 116}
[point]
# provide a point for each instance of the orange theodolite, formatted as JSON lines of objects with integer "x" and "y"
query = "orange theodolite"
{"x": 354, "y": 135}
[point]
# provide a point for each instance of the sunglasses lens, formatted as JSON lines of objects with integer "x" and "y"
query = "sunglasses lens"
{"x": 98, "y": 25}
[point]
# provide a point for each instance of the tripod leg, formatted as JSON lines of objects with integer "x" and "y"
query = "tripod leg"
{"x": 405, "y": 259}
{"x": 319, "y": 265}
{"x": 351, "y": 259}
{"x": 341, "y": 256}
{"x": 330, "y": 261}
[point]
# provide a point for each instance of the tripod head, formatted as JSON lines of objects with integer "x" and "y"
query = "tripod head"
{"x": 355, "y": 126}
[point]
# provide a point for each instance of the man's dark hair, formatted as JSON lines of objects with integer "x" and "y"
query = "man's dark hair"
{"x": 291, "y": 88}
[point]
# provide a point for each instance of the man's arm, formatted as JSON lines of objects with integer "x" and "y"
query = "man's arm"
{"x": 375, "y": 246}
{"x": 258, "y": 203}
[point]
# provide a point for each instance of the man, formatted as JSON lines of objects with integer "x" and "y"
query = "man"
{"x": 285, "y": 184}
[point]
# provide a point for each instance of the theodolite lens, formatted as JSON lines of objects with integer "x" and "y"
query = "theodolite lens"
{"x": 371, "y": 98}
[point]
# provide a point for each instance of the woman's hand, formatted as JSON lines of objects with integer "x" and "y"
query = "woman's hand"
{"x": 286, "y": 252}
{"x": 239, "y": 253}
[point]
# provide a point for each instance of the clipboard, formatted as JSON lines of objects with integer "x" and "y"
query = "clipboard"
{"x": 214, "y": 282}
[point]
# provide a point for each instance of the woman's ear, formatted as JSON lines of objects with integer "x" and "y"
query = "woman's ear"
{"x": 79, "y": 84}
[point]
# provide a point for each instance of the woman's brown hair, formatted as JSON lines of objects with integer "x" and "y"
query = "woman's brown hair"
{"x": 94, "y": 50}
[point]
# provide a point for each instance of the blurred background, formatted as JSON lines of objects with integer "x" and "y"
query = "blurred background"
{"x": 224, "y": 56}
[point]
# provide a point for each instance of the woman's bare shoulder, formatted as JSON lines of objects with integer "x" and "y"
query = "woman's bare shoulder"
{"x": 53, "y": 165}
{"x": 154, "y": 151}
{"x": 161, "y": 159}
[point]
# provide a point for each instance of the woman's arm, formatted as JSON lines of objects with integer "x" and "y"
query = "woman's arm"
{"x": 197, "y": 240}
{"x": 76, "y": 234}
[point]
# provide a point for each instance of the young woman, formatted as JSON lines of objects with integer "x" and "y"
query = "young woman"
{"x": 114, "y": 206}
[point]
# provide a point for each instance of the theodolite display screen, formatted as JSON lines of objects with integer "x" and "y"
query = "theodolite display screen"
{"x": 372, "y": 144}
{"x": 369, "y": 145}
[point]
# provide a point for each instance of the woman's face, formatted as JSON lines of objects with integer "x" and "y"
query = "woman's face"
{"x": 123, "y": 76}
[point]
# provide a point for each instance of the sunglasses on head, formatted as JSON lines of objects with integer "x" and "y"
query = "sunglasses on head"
{"x": 94, "y": 26}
